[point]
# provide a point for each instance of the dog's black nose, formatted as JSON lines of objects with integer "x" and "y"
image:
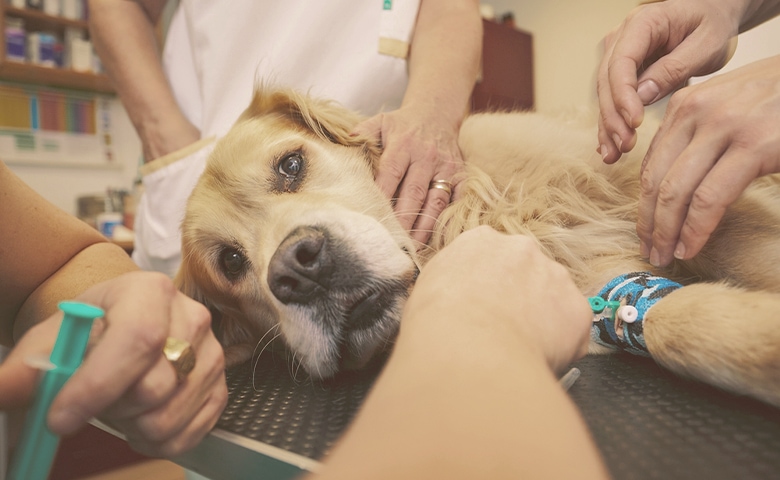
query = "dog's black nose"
{"x": 301, "y": 268}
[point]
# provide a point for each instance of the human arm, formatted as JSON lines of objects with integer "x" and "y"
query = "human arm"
{"x": 470, "y": 389}
{"x": 656, "y": 49}
{"x": 47, "y": 256}
{"x": 420, "y": 138}
{"x": 124, "y": 38}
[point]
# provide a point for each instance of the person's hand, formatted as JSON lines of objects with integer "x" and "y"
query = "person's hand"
{"x": 125, "y": 380}
{"x": 417, "y": 149}
{"x": 656, "y": 49}
{"x": 167, "y": 136}
{"x": 716, "y": 137}
{"x": 502, "y": 286}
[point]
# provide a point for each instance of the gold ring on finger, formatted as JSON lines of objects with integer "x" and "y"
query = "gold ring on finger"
{"x": 445, "y": 185}
{"x": 181, "y": 355}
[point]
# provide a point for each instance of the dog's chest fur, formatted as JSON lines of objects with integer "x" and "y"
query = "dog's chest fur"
{"x": 522, "y": 179}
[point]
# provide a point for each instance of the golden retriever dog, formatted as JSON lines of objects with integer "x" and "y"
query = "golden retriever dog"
{"x": 286, "y": 237}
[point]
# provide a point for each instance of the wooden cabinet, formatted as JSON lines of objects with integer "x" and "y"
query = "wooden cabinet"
{"x": 506, "y": 80}
{"x": 35, "y": 20}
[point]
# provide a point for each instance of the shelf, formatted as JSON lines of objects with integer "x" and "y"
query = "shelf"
{"x": 55, "y": 77}
{"x": 35, "y": 20}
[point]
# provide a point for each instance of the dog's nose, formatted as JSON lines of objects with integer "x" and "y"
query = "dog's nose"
{"x": 301, "y": 267}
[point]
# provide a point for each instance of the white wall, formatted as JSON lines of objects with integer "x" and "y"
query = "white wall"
{"x": 567, "y": 38}
{"x": 63, "y": 185}
{"x": 761, "y": 42}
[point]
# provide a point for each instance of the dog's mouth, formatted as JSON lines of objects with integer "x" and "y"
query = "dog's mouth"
{"x": 370, "y": 326}
{"x": 350, "y": 360}
{"x": 365, "y": 311}
{"x": 341, "y": 298}
{"x": 371, "y": 322}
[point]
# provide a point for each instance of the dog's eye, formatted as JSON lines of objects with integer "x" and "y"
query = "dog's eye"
{"x": 233, "y": 263}
{"x": 291, "y": 165}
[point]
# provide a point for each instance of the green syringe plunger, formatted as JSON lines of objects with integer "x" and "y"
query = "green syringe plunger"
{"x": 37, "y": 444}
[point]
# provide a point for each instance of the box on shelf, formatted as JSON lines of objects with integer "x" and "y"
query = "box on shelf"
{"x": 14, "y": 39}
{"x": 73, "y": 9}
{"x": 43, "y": 49}
{"x": 52, "y": 7}
{"x": 81, "y": 55}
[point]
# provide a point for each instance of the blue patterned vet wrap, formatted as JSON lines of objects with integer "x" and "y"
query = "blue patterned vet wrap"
{"x": 640, "y": 289}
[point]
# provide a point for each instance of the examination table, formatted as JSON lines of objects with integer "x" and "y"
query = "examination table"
{"x": 647, "y": 422}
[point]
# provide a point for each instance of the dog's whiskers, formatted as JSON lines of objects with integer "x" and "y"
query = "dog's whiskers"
{"x": 256, "y": 360}
{"x": 291, "y": 368}
{"x": 295, "y": 372}
{"x": 264, "y": 335}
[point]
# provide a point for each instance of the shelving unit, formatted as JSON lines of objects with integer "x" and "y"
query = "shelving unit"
{"x": 507, "y": 79}
{"x": 34, "y": 74}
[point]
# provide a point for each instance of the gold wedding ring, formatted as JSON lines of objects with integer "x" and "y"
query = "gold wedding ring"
{"x": 181, "y": 355}
{"x": 441, "y": 185}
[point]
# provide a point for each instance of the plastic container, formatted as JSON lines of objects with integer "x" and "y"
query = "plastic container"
{"x": 107, "y": 221}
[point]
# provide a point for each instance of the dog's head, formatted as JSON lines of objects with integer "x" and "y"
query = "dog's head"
{"x": 286, "y": 236}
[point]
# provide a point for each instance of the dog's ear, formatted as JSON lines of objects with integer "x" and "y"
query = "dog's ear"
{"x": 184, "y": 281}
{"x": 325, "y": 119}
{"x": 235, "y": 340}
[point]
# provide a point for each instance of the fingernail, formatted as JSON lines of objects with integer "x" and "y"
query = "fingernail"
{"x": 648, "y": 92}
{"x": 644, "y": 251}
{"x": 603, "y": 151}
{"x": 679, "y": 251}
{"x": 618, "y": 141}
{"x": 626, "y": 117}
{"x": 655, "y": 258}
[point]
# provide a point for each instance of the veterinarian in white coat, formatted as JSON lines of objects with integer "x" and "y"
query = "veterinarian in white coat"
{"x": 716, "y": 137}
{"x": 354, "y": 52}
{"x": 48, "y": 256}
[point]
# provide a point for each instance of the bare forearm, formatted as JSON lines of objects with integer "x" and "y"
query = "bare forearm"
{"x": 482, "y": 409}
{"x": 41, "y": 250}
{"x": 96, "y": 263}
{"x": 124, "y": 38}
{"x": 444, "y": 58}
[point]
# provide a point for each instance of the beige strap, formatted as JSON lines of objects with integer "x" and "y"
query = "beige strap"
{"x": 397, "y": 23}
{"x": 165, "y": 160}
{"x": 393, "y": 47}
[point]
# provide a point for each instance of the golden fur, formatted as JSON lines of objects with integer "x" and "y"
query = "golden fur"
{"x": 326, "y": 242}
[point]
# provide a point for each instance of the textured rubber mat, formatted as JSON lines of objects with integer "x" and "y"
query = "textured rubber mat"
{"x": 299, "y": 415}
{"x": 648, "y": 423}
{"x": 651, "y": 424}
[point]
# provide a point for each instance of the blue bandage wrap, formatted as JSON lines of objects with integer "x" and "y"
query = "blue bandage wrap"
{"x": 639, "y": 289}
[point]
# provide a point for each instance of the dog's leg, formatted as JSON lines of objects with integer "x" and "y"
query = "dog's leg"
{"x": 745, "y": 248}
{"x": 722, "y": 335}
